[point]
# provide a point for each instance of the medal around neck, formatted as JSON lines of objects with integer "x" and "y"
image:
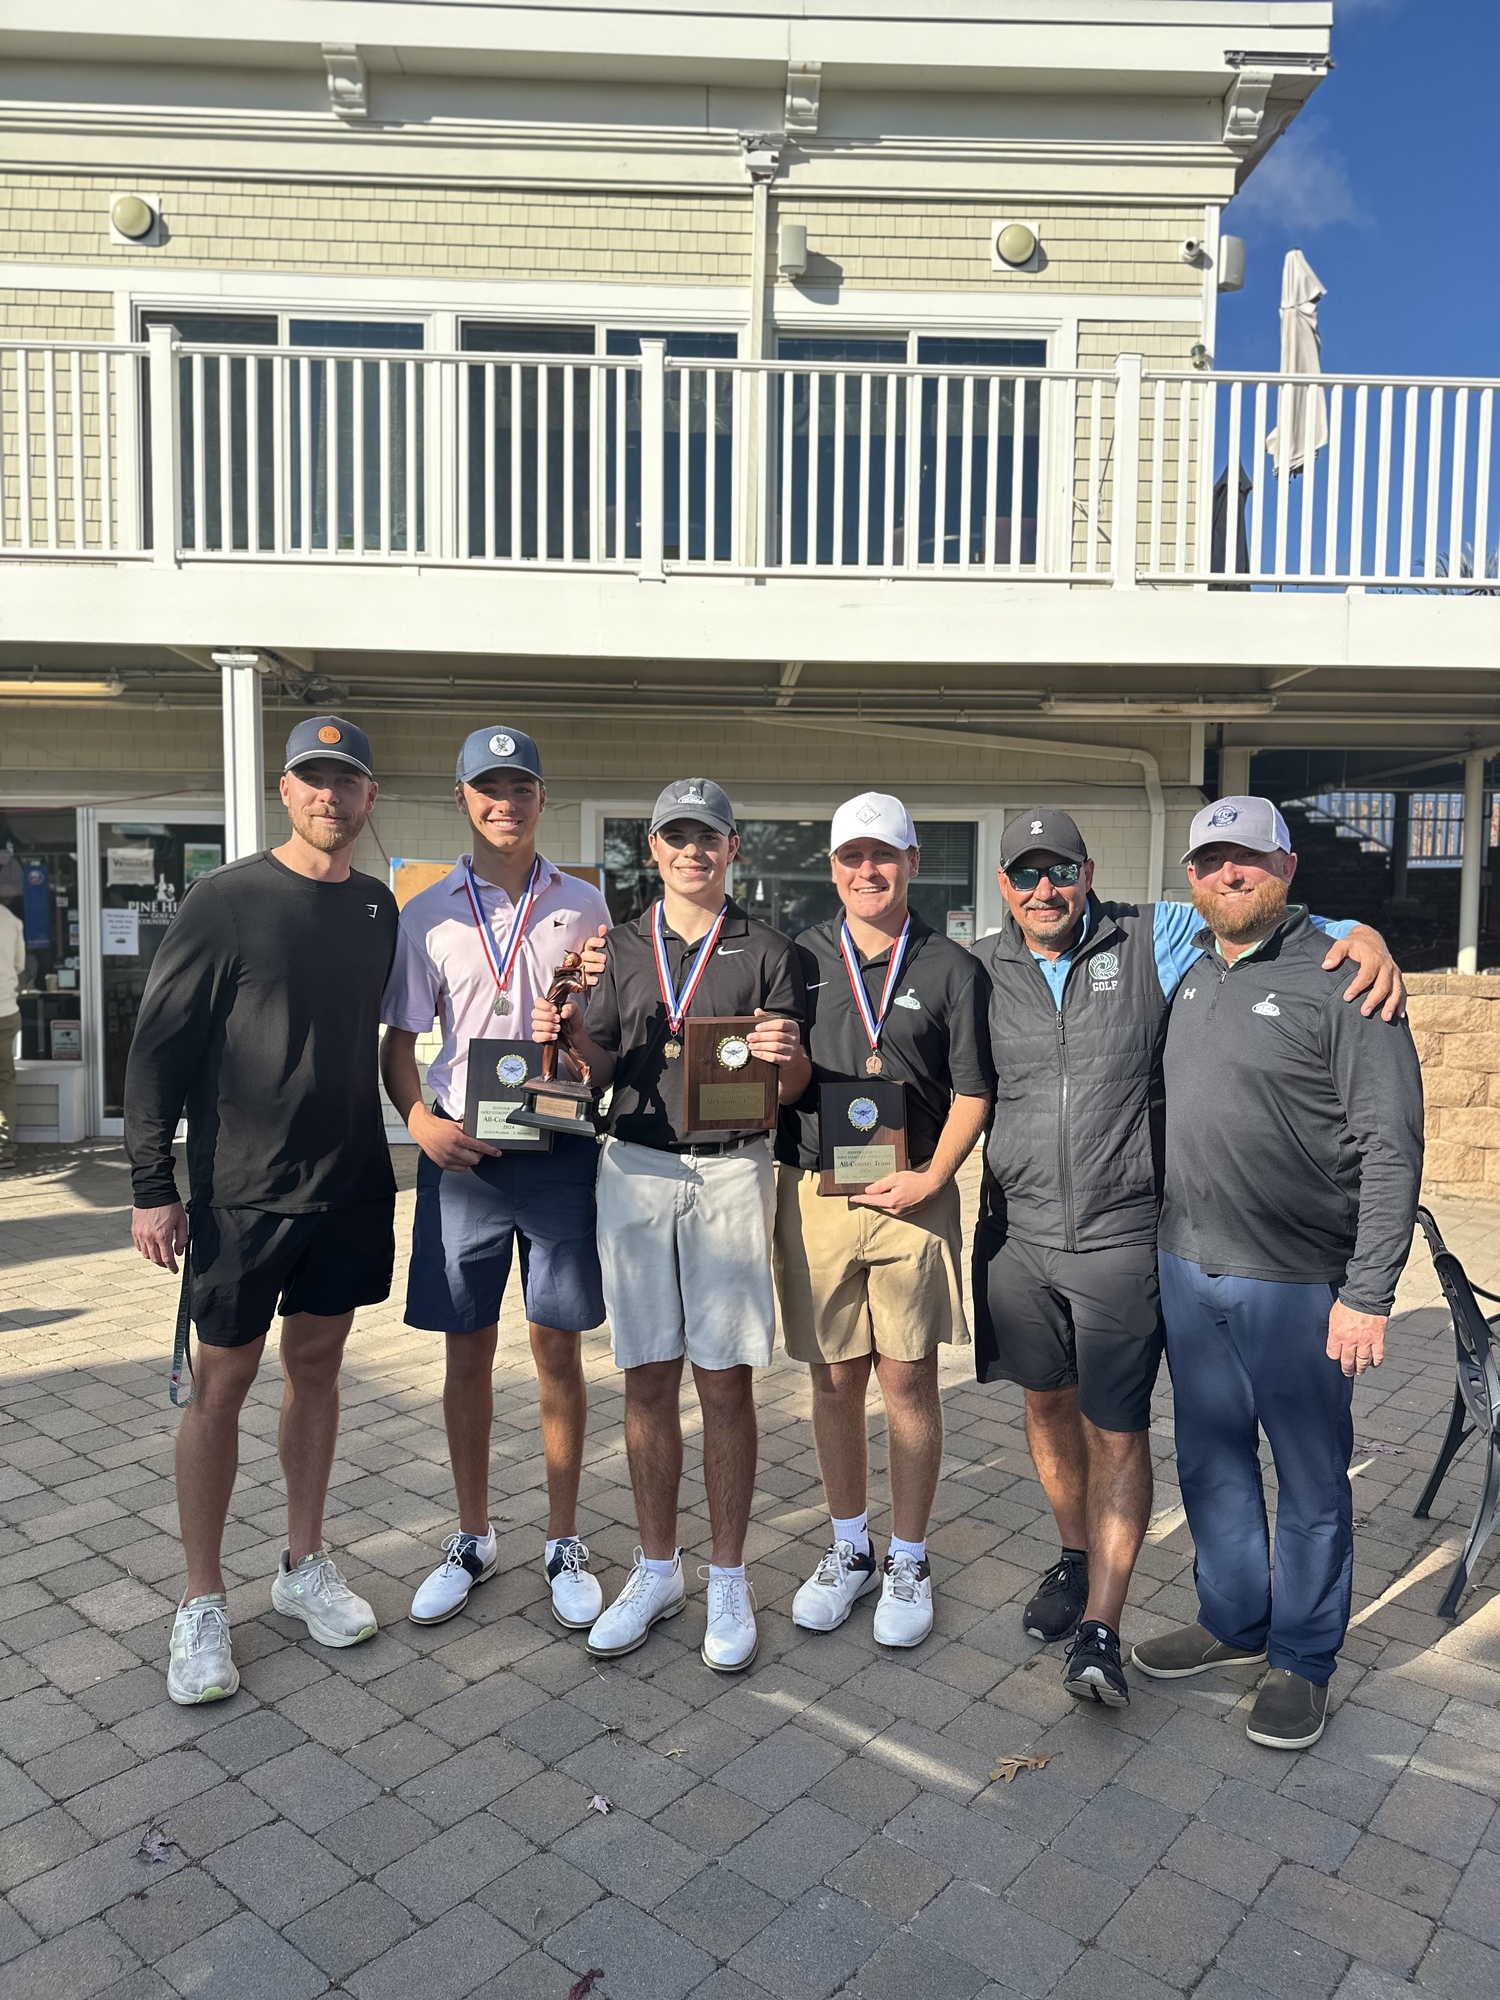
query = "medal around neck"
{"x": 728, "y": 1088}
{"x": 861, "y": 1135}
{"x": 559, "y": 1097}
{"x": 496, "y": 1073}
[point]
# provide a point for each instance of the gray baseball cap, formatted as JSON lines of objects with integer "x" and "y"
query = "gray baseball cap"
{"x": 1042, "y": 830}
{"x": 1239, "y": 822}
{"x": 697, "y": 799}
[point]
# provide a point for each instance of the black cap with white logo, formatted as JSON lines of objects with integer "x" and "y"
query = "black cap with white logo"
{"x": 1042, "y": 830}
{"x": 697, "y": 799}
{"x": 329, "y": 739}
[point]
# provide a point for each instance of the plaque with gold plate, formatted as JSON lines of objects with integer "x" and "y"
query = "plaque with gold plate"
{"x": 497, "y": 1070}
{"x": 728, "y": 1088}
{"x": 862, "y": 1134}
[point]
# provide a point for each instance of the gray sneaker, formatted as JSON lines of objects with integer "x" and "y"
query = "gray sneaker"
{"x": 316, "y": 1593}
{"x": 202, "y": 1666}
{"x": 1190, "y": 1650}
{"x": 1289, "y": 1712}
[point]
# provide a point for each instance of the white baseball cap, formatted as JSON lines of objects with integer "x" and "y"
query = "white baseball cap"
{"x": 1240, "y": 821}
{"x": 873, "y": 816}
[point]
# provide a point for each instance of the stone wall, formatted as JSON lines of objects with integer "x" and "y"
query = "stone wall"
{"x": 1456, "y": 1021}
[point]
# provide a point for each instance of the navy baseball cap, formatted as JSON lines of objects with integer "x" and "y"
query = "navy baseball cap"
{"x": 1042, "y": 830}
{"x": 698, "y": 799}
{"x": 497, "y": 749}
{"x": 329, "y": 738}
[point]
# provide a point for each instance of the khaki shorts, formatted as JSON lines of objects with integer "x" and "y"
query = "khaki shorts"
{"x": 685, "y": 1253}
{"x": 852, "y": 1281}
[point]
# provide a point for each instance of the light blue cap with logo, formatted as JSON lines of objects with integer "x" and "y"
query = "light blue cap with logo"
{"x": 1239, "y": 822}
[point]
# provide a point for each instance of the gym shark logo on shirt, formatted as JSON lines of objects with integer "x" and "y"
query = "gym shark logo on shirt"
{"x": 373, "y": 908}
{"x": 1267, "y": 1006}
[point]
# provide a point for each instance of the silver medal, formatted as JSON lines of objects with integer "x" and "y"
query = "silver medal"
{"x": 502, "y": 1005}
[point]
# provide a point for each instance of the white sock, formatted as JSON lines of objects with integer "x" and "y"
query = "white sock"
{"x": 654, "y": 1566}
{"x": 856, "y": 1531}
{"x": 916, "y": 1550}
{"x": 555, "y": 1543}
{"x": 721, "y": 1573}
{"x": 487, "y": 1536}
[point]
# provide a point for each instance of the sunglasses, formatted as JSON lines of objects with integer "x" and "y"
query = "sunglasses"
{"x": 1061, "y": 874}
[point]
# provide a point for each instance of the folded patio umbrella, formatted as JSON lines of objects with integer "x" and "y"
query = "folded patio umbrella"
{"x": 1299, "y": 424}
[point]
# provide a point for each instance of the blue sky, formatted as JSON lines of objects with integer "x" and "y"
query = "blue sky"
{"x": 1389, "y": 183}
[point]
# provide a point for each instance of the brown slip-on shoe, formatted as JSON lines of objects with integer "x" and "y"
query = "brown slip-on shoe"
{"x": 1189, "y": 1650}
{"x": 1289, "y": 1712}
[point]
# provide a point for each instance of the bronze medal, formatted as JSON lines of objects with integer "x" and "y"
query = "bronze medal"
{"x": 873, "y": 1065}
{"x": 672, "y": 1049}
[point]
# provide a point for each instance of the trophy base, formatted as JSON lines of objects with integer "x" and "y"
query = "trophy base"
{"x": 556, "y": 1107}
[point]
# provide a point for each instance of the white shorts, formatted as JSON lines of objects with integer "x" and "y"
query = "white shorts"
{"x": 685, "y": 1250}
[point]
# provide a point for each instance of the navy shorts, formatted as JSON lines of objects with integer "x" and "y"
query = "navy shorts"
{"x": 469, "y": 1224}
{"x": 247, "y": 1264}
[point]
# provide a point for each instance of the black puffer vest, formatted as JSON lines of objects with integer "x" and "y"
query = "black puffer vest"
{"x": 1073, "y": 1157}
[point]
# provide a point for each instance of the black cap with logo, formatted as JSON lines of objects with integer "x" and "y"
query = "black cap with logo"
{"x": 329, "y": 739}
{"x": 1042, "y": 830}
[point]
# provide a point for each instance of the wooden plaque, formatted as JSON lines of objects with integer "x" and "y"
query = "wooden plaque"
{"x": 728, "y": 1089}
{"x": 497, "y": 1071}
{"x": 862, "y": 1134}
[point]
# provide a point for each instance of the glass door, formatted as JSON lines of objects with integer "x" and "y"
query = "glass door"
{"x": 145, "y": 868}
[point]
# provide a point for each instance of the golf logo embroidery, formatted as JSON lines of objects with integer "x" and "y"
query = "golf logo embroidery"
{"x": 511, "y": 1070}
{"x": 502, "y": 745}
{"x": 1267, "y": 1006}
{"x": 1104, "y": 971}
{"x": 864, "y": 1114}
{"x": 909, "y": 1001}
{"x": 1224, "y": 816}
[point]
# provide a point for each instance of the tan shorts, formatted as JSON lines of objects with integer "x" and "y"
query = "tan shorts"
{"x": 852, "y": 1281}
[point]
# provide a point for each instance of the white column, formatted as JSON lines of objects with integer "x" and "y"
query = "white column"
{"x": 1476, "y": 843}
{"x": 653, "y": 458}
{"x": 1234, "y": 773}
{"x": 244, "y": 763}
{"x": 1125, "y": 507}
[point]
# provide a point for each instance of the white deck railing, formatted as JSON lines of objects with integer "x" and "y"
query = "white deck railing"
{"x": 171, "y": 453}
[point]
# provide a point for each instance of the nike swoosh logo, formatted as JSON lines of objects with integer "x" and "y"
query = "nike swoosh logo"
{"x": 725, "y": 952}
{"x": 816, "y": 984}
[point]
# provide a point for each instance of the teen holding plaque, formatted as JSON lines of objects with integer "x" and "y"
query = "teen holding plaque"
{"x": 868, "y": 1231}
{"x": 475, "y": 950}
{"x": 685, "y": 1213}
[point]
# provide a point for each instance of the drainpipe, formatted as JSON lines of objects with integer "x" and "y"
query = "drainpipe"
{"x": 1107, "y": 753}
{"x": 1476, "y": 844}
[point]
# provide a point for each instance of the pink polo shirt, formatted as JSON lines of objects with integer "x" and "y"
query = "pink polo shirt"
{"x": 441, "y": 971}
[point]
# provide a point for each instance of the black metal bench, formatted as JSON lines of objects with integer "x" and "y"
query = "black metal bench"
{"x": 1476, "y": 1403}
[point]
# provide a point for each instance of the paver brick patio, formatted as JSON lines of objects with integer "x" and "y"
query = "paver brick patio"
{"x": 409, "y": 1820}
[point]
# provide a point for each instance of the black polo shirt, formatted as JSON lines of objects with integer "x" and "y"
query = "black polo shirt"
{"x": 935, "y": 1039}
{"x": 752, "y": 966}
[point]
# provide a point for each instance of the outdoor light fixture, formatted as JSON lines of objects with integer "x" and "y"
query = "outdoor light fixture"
{"x": 135, "y": 219}
{"x": 59, "y": 690}
{"x": 1210, "y": 707}
{"x": 1014, "y": 246}
{"x": 791, "y": 249}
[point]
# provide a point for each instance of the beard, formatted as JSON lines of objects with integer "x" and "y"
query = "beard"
{"x": 1048, "y": 928}
{"x": 1241, "y": 915}
{"x": 329, "y": 836}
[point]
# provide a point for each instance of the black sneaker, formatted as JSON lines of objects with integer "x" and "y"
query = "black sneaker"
{"x": 1094, "y": 1672}
{"x": 1055, "y": 1610}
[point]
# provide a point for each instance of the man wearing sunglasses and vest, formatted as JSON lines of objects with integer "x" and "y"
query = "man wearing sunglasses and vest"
{"x": 685, "y": 1218}
{"x": 474, "y": 951}
{"x": 870, "y": 1280}
{"x": 1066, "y": 1298}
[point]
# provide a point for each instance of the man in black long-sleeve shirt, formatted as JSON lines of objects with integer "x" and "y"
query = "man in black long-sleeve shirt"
{"x": 261, "y": 1021}
{"x": 1293, "y": 1163}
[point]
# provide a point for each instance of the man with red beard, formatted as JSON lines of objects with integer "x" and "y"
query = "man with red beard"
{"x": 1293, "y": 1164}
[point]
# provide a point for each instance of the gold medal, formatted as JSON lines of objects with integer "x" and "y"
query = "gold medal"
{"x": 672, "y": 1049}
{"x": 873, "y": 1065}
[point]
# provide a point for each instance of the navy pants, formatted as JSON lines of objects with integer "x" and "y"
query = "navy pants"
{"x": 1248, "y": 1356}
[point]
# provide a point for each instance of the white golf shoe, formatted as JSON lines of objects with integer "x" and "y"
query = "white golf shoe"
{"x": 731, "y": 1639}
{"x": 840, "y": 1580}
{"x": 467, "y": 1560}
{"x": 577, "y": 1598}
{"x": 646, "y": 1599}
{"x": 903, "y": 1617}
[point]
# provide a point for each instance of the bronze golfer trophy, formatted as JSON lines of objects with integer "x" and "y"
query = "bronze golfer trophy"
{"x": 560, "y": 1098}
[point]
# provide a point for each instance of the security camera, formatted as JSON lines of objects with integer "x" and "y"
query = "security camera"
{"x": 1192, "y": 250}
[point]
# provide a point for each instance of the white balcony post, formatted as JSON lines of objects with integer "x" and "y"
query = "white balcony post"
{"x": 244, "y": 763}
{"x": 653, "y": 456}
{"x": 1125, "y": 485}
{"x": 1476, "y": 844}
{"x": 165, "y": 462}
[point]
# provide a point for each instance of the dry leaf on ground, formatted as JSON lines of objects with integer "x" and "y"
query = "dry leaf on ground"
{"x": 1007, "y": 1767}
{"x": 599, "y": 1804}
{"x": 581, "y": 1988}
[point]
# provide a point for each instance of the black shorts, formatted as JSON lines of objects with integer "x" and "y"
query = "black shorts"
{"x": 248, "y": 1264}
{"x": 1051, "y": 1319}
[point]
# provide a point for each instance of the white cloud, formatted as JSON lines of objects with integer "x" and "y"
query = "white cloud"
{"x": 1301, "y": 185}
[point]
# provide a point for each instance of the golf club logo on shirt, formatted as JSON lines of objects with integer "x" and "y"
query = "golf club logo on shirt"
{"x": 864, "y": 1114}
{"x": 511, "y": 1070}
{"x": 909, "y": 1001}
{"x": 1265, "y": 1006}
{"x": 502, "y": 745}
{"x": 1224, "y": 816}
{"x": 733, "y": 1052}
{"x": 1104, "y": 965}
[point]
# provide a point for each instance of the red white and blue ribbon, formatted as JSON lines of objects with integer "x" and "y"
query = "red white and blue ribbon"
{"x": 500, "y": 967}
{"x": 677, "y": 1003}
{"x": 873, "y": 1022}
